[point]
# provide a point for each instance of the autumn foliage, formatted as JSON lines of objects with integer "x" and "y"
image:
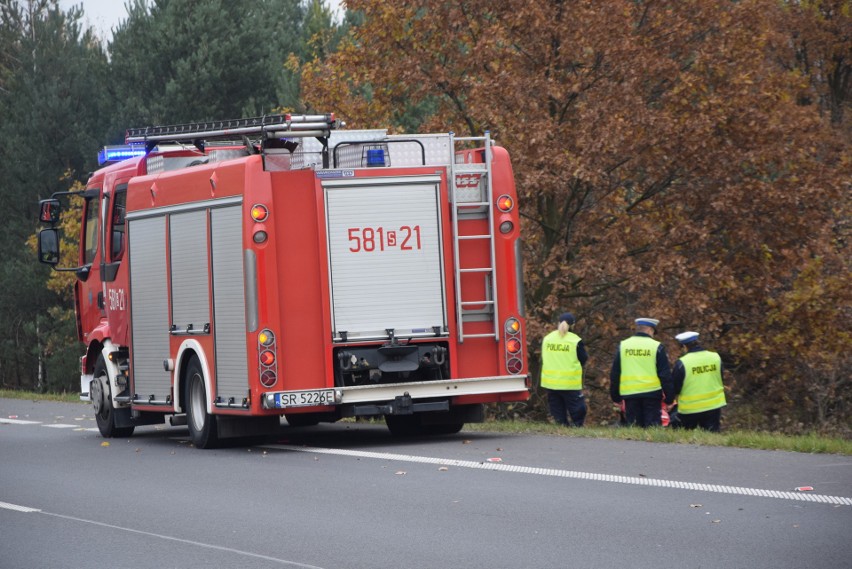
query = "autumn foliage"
{"x": 687, "y": 160}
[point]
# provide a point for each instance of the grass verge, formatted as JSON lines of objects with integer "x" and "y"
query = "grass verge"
{"x": 808, "y": 442}
{"x": 32, "y": 396}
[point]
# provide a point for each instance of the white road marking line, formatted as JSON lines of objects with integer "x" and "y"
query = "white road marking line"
{"x": 18, "y": 422}
{"x": 50, "y": 425}
{"x": 502, "y": 467}
{"x": 15, "y": 507}
{"x": 26, "y": 510}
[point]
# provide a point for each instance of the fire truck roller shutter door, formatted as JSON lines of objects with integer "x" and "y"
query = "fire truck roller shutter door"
{"x": 149, "y": 306}
{"x": 386, "y": 257}
{"x": 190, "y": 276}
{"x": 229, "y": 305}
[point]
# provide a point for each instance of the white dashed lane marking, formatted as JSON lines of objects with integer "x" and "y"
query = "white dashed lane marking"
{"x": 5, "y": 421}
{"x": 16, "y": 508}
{"x": 18, "y": 422}
{"x": 635, "y": 480}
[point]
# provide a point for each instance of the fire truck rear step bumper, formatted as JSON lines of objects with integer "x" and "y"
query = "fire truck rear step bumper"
{"x": 383, "y": 394}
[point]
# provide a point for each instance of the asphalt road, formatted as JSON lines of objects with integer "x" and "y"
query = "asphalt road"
{"x": 350, "y": 496}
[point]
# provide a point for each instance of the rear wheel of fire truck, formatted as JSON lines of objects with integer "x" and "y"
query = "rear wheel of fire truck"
{"x": 404, "y": 425}
{"x": 102, "y": 402}
{"x": 412, "y": 426}
{"x": 445, "y": 429}
{"x": 202, "y": 426}
{"x": 302, "y": 419}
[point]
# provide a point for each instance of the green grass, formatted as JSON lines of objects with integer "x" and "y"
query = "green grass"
{"x": 808, "y": 443}
{"x": 32, "y": 396}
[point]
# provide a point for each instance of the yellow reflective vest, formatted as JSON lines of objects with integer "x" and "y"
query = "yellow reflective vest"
{"x": 702, "y": 384}
{"x": 560, "y": 368}
{"x": 638, "y": 366}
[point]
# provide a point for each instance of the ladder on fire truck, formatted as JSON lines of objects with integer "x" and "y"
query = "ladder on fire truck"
{"x": 270, "y": 127}
{"x": 473, "y": 309}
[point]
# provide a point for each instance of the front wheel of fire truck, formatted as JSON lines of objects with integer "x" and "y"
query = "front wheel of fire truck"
{"x": 105, "y": 414}
{"x": 202, "y": 426}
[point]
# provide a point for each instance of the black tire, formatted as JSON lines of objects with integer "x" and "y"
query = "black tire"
{"x": 301, "y": 419}
{"x": 403, "y": 425}
{"x": 102, "y": 401}
{"x": 413, "y": 426}
{"x": 445, "y": 429}
{"x": 203, "y": 431}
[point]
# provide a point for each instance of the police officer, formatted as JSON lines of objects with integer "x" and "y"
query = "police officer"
{"x": 641, "y": 375}
{"x": 697, "y": 378}
{"x": 563, "y": 356}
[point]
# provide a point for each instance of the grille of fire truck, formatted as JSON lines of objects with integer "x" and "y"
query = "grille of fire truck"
{"x": 473, "y": 309}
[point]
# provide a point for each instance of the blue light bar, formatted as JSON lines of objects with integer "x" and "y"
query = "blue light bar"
{"x": 120, "y": 152}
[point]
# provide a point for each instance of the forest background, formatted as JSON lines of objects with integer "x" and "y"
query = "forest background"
{"x": 688, "y": 160}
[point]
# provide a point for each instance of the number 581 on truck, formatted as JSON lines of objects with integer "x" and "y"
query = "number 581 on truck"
{"x": 231, "y": 272}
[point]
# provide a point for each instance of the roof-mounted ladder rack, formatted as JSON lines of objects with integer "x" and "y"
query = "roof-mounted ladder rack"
{"x": 267, "y": 126}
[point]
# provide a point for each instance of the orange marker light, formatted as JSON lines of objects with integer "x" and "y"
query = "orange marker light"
{"x": 513, "y": 326}
{"x": 259, "y": 212}
{"x": 514, "y": 346}
{"x": 505, "y": 203}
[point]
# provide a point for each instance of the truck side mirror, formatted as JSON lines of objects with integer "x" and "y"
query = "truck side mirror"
{"x": 48, "y": 246}
{"x": 49, "y": 211}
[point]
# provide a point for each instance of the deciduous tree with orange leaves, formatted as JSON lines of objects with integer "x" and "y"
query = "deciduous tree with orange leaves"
{"x": 687, "y": 160}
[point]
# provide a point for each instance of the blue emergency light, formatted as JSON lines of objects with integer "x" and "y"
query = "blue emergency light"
{"x": 120, "y": 152}
{"x": 375, "y": 157}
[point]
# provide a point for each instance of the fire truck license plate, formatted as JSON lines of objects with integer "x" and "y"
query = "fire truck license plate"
{"x": 304, "y": 398}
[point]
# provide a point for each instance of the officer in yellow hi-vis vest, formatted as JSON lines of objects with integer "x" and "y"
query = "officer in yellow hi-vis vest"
{"x": 697, "y": 378}
{"x": 641, "y": 376}
{"x": 563, "y": 356}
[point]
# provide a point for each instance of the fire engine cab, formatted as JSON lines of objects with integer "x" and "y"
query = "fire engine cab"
{"x": 232, "y": 272}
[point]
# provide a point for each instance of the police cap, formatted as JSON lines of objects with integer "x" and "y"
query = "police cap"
{"x": 687, "y": 337}
{"x": 567, "y": 317}
{"x": 652, "y": 322}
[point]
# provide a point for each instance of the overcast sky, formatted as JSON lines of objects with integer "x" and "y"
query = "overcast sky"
{"x": 103, "y": 15}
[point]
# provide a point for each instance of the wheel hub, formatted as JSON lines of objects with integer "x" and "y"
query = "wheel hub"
{"x": 98, "y": 394}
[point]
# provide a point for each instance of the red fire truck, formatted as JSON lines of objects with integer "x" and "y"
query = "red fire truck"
{"x": 232, "y": 272}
